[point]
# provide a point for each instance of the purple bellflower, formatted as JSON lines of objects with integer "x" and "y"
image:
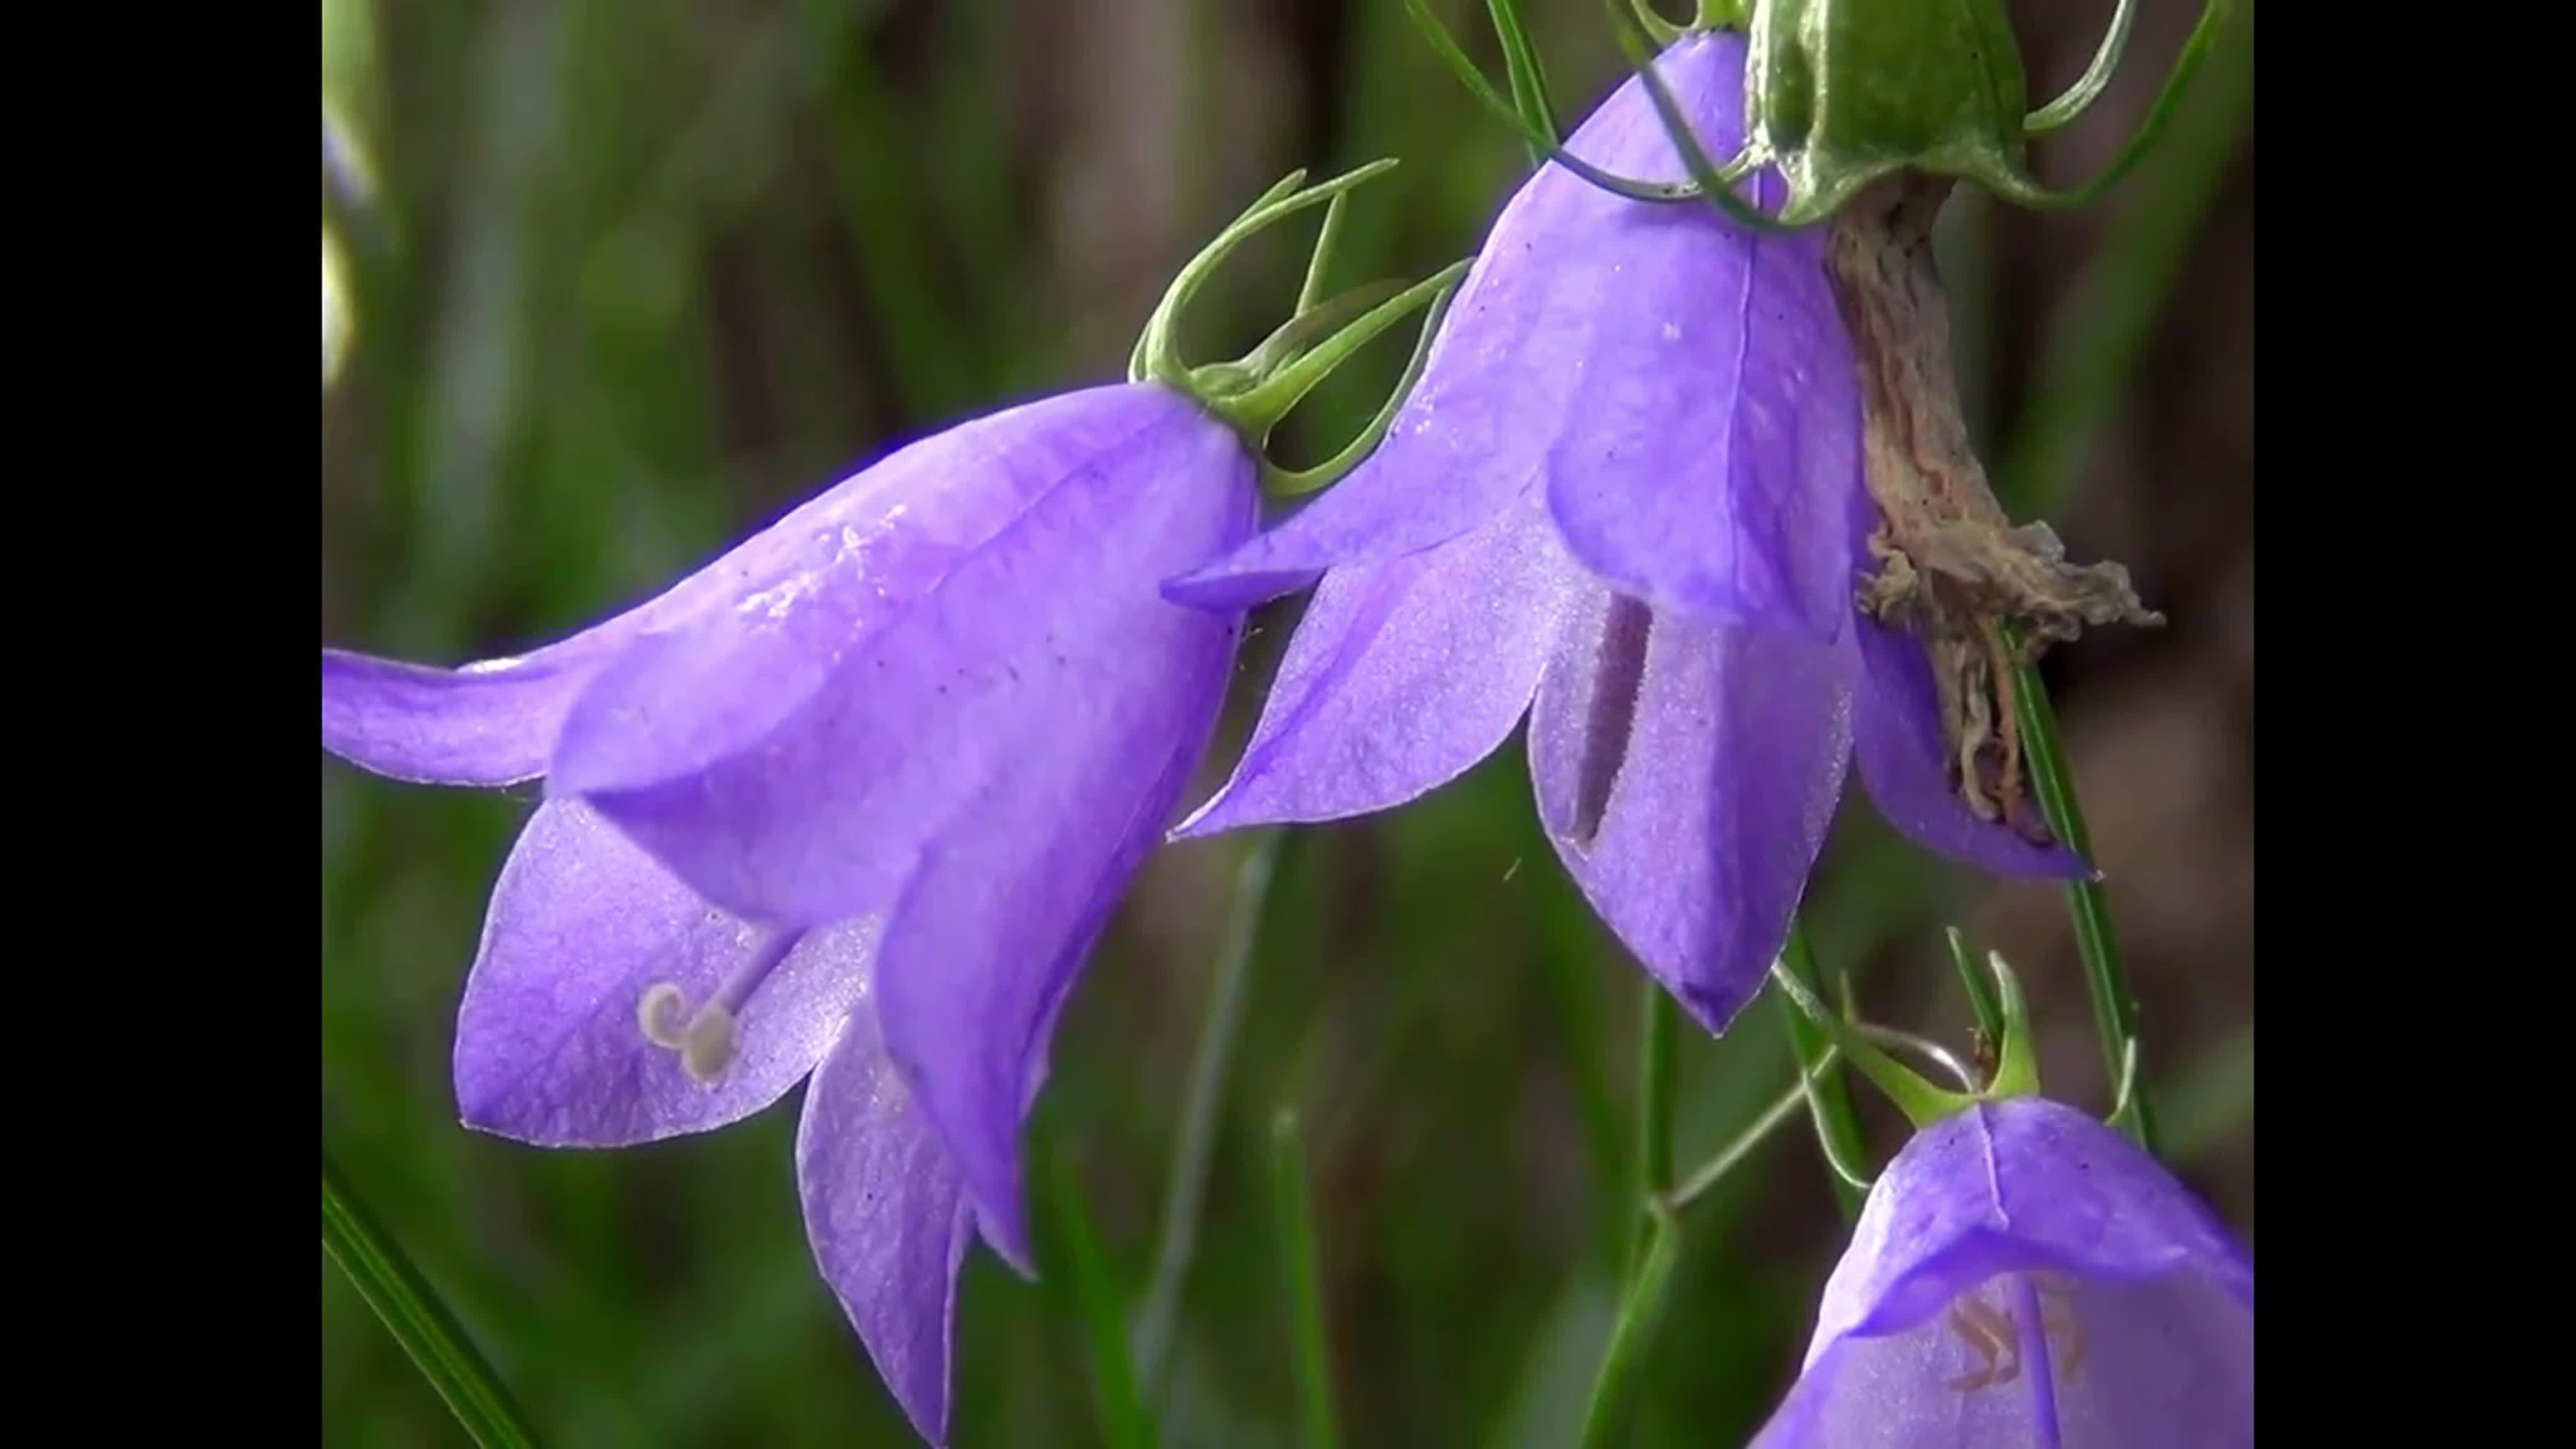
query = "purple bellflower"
{"x": 2024, "y": 1275}
{"x": 852, "y": 802}
{"x": 1626, "y": 499}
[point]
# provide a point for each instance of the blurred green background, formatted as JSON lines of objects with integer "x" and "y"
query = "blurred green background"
{"x": 610, "y": 283}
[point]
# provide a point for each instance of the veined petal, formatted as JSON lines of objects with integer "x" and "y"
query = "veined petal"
{"x": 2074, "y": 1194}
{"x": 1402, "y": 675}
{"x": 1896, "y": 728}
{"x": 993, "y": 929}
{"x": 496, "y": 722}
{"x": 2019, "y": 1262}
{"x": 887, "y": 1216}
{"x": 485, "y": 724}
{"x": 790, "y": 757}
{"x": 1708, "y": 416}
{"x": 550, "y": 1047}
{"x": 1686, "y": 774}
{"x": 1509, "y": 382}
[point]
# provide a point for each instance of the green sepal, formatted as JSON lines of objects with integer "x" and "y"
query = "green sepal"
{"x": 1922, "y": 1103}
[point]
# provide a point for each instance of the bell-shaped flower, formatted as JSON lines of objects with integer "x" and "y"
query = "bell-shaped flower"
{"x": 1626, "y": 500}
{"x": 2023, "y": 1275}
{"x": 852, "y": 802}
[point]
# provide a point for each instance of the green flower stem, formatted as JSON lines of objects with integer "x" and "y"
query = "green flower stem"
{"x": 1188, "y": 1188}
{"x": 412, "y": 1312}
{"x": 2115, "y": 1012}
{"x": 1732, "y": 1155}
{"x": 1641, "y": 1311}
{"x": 1300, "y": 1263}
{"x": 1656, "y": 1028}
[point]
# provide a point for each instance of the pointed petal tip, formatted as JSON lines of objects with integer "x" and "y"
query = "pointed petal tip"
{"x": 1205, "y": 821}
{"x": 1226, "y": 811}
{"x": 1222, "y": 588}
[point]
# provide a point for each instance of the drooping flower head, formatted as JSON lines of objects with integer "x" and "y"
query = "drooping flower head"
{"x": 2021, "y": 1274}
{"x": 1626, "y": 500}
{"x": 853, "y": 802}
{"x": 2024, "y": 1275}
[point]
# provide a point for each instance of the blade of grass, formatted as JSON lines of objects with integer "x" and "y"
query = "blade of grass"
{"x": 1123, "y": 1421}
{"x": 416, "y": 1317}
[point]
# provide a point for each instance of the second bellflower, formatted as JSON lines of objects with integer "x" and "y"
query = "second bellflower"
{"x": 2023, "y": 1274}
{"x": 1626, "y": 500}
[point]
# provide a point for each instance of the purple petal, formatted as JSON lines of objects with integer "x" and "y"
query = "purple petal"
{"x": 1706, "y": 431}
{"x": 2017, "y": 1184}
{"x": 1686, "y": 774}
{"x": 2120, "y": 1365}
{"x": 496, "y": 722}
{"x": 887, "y": 1216}
{"x": 2018, "y": 1202}
{"x": 791, "y": 756}
{"x": 549, "y": 1046}
{"x": 990, "y": 935}
{"x": 1896, "y": 731}
{"x": 1401, "y": 676}
{"x": 486, "y": 724}
{"x": 1514, "y": 372}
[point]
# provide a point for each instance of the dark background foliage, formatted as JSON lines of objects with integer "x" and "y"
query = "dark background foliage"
{"x": 621, "y": 280}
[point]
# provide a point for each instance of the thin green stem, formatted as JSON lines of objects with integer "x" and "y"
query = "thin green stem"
{"x": 1734, "y": 1153}
{"x": 1641, "y": 1311}
{"x": 1828, "y": 1091}
{"x": 1657, "y": 1026}
{"x": 1300, "y": 1263}
{"x": 418, "y": 1320}
{"x": 2115, "y": 1012}
{"x": 1464, "y": 67}
{"x": 1206, "y": 1094}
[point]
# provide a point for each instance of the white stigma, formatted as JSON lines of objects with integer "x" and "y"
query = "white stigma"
{"x": 703, "y": 1039}
{"x": 706, "y": 1048}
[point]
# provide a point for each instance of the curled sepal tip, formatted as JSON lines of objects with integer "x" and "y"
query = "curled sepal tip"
{"x": 1295, "y": 338}
{"x": 1252, "y": 393}
{"x": 2128, "y": 1081}
{"x": 2017, "y": 1057}
{"x": 2195, "y": 49}
{"x": 1158, "y": 328}
{"x": 1258, "y": 409}
{"x": 1922, "y": 1103}
{"x": 1157, "y": 356}
{"x": 2088, "y": 87}
{"x": 1287, "y": 483}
